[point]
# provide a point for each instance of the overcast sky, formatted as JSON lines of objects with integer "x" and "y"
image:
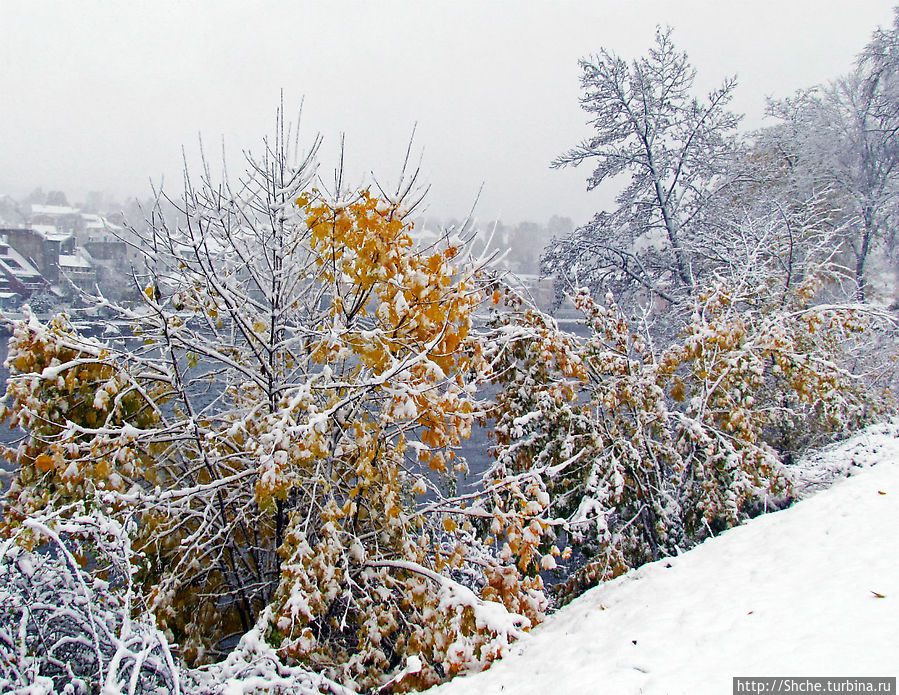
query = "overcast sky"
{"x": 102, "y": 95}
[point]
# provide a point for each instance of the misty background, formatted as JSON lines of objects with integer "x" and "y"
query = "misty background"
{"x": 101, "y": 96}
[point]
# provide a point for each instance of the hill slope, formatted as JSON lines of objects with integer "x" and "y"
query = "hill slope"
{"x": 793, "y": 593}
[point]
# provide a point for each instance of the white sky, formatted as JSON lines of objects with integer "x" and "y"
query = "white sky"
{"x": 101, "y": 95}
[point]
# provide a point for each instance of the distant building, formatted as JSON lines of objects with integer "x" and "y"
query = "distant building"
{"x": 78, "y": 268}
{"x": 541, "y": 289}
{"x": 17, "y": 275}
{"x": 63, "y": 217}
{"x": 114, "y": 250}
{"x": 99, "y": 228}
{"x": 59, "y": 247}
{"x": 42, "y": 245}
{"x": 10, "y": 301}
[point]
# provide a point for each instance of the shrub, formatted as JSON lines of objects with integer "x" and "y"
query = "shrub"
{"x": 637, "y": 453}
{"x": 282, "y": 426}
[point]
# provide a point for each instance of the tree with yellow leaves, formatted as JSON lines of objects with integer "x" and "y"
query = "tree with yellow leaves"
{"x": 278, "y": 430}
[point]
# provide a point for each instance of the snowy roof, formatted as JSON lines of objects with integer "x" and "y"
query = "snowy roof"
{"x": 58, "y": 236}
{"x": 50, "y": 233}
{"x": 53, "y": 210}
{"x": 92, "y": 221}
{"x": 15, "y": 264}
{"x": 74, "y": 261}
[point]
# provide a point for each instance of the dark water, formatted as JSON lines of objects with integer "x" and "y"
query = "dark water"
{"x": 474, "y": 449}
{"x": 7, "y": 435}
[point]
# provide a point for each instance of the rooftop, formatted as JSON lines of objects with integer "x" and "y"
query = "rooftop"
{"x": 15, "y": 264}
{"x": 50, "y": 233}
{"x": 74, "y": 261}
{"x": 54, "y": 210}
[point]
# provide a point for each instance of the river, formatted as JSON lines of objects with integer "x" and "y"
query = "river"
{"x": 7, "y": 435}
{"x": 474, "y": 449}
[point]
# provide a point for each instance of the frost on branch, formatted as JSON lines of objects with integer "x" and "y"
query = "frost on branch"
{"x": 674, "y": 151}
{"x": 64, "y": 629}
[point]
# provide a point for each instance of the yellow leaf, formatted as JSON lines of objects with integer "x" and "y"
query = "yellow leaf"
{"x": 44, "y": 463}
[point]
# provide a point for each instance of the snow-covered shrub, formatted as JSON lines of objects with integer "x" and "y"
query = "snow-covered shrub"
{"x": 72, "y": 622}
{"x": 636, "y": 452}
{"x": 68, "y": 629}
{"x": 253, "y": 667}
{"x": 282, "y": 426}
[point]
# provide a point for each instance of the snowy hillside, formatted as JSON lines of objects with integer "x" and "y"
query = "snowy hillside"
{"x": 809, "y": 591}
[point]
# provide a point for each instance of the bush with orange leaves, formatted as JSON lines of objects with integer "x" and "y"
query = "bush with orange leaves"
{"x": 280, "y": 427}
{"x": 634, "y": 453}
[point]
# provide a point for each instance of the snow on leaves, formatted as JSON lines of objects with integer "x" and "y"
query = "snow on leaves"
{"x": 279, "y": 426}
{"x": 631, "y": 453}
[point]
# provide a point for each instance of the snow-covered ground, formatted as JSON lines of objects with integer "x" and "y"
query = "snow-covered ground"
{"x": 809, "y": 591}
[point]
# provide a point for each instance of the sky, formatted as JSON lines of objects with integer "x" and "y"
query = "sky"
{"x": 103, "y": 95}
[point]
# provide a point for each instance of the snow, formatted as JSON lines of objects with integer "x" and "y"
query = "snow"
{"x": 791, "y": 593}
{"x": 73, "y": 261}
{"x": 16, "y": 264}
{"x": 53, "y": 210}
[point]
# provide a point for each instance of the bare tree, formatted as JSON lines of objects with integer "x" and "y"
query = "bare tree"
{"x": 675, "y": 150}
{"x": 842, "y": 138}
